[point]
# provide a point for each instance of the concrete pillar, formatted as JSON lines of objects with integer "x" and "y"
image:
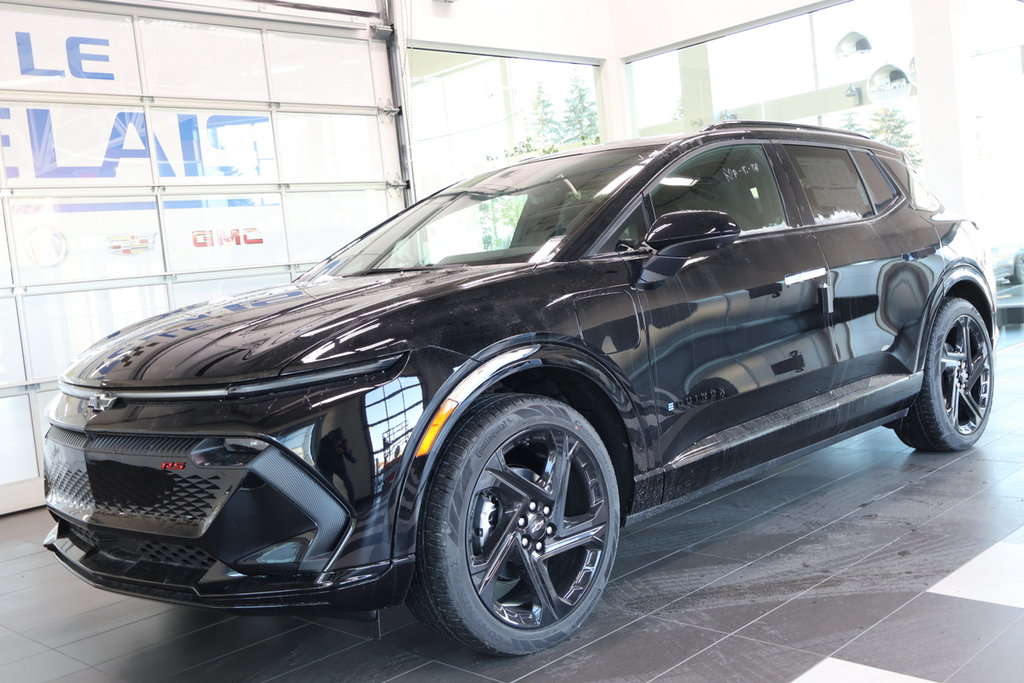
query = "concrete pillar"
{"x": 614, "y": 111}
{"x": 942, "y": 59}
{"x": 695, "y": 82}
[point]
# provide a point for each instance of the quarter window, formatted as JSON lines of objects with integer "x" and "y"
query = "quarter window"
{"x": 882, "y": 192}
{"x": 831, "y": 184}
{"x": 737, "y": 180}
{"x": 629, "y": 235}
{"x": 920, "y": 196}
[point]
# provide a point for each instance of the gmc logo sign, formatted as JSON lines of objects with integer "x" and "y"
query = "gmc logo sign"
{"x": 219, "y": 238}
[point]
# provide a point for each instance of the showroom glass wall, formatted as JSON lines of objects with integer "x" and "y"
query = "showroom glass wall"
{"x": 853, "y": 66}
{"x": 471, "y": 113}
{"x": 849, "y": 66}
{"x": 150, "y": 160}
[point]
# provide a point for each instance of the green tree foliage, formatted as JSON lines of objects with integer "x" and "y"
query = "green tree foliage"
{"x": 545, "y": 126}
{"x": 499, "y": 217}
{"x": 526, "y": 148}
{"x": 548, "y": 134}
{"x": 679, "y": 113}
{"x": 890, "y": 126}
{"x": 580, "y": 121}
{"x": 852, "y": 124}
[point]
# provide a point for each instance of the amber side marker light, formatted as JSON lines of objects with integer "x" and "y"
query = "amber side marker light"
{"x": 440, "y": 418}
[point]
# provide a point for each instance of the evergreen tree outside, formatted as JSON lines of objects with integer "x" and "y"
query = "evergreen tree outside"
{"x": 852, "y": 124}
{"x": 547, "y": 132}
{"x": 526, "y": 148}
{"x": 679, "y": 113}
{"x": 580, "y": 121}
{"x": 890, "y": 126}
{"x": 545, "y": 126}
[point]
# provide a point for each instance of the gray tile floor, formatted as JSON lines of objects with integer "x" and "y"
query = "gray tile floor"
{"x": 863, "y": 561}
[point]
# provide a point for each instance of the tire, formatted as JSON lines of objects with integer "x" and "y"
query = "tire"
{"x": 519, "y": 527}
{"x": 953, "y": 407}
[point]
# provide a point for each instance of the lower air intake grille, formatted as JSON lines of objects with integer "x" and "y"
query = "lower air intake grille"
{"x": 132, "y": 550}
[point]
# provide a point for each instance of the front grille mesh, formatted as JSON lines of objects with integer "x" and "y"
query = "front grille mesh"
{"x": 119, "y": 481}
{"x": 68, "y": 485}
{"x": 180, "y": 555}
{"x": 159, "y": 494}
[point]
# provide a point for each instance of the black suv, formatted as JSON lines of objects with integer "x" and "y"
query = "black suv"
{"x": 459, "y": 408}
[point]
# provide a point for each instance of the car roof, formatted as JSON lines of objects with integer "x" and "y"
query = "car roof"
{"x": 741, "y": 129}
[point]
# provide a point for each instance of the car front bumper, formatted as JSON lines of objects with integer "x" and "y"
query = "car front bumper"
{"x": 185, "y": 519}
{"x": 353, "y": 591}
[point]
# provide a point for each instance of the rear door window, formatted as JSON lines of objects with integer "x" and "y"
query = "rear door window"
{"x": 831, "y": 184}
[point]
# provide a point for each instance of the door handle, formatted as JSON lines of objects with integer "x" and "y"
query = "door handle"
{"x": 828, "y": 301}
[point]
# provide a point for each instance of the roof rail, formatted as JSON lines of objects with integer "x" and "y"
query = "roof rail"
{"x": 749, "y": 123}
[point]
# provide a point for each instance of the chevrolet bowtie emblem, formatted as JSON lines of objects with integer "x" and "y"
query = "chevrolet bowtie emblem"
{"x": 101, "y": 401}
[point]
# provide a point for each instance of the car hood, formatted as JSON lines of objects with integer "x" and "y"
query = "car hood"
{"x": 301, "y": 326}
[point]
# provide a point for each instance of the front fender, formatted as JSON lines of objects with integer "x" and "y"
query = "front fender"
{"x": 475, "y": 378}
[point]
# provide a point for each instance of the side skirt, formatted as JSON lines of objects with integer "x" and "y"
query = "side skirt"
{"x": 748, "y": 450}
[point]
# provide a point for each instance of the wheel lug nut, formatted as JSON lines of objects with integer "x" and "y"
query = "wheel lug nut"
{"x": 547, "y": 510}
{"x": 551, "y": 529}
{"x": 539, "y": 546}
{"x": 521, "y": 522}
{"x": 532, "y": 505}
{"x": 526, "y": 542}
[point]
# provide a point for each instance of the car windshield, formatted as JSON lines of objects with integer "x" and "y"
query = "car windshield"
{"x": 516, "y": 215}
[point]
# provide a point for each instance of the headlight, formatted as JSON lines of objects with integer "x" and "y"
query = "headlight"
{"x": 286, "y": 381}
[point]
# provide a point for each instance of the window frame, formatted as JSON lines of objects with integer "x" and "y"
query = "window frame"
{"x": 913, "y": 178}
{"x": 893, "y": 187}
{"x": 795, "y": 204}
{"x": 777, "y": 162}
{"x": 803, "y": 204}
{"x": 639, "y": 202}
{"x": 672, "y": 166}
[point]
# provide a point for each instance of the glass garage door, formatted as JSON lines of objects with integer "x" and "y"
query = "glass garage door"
{"x": 152, "y": 159}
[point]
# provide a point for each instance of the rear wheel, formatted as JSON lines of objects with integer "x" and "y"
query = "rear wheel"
{"x": 952, "y": 409}
{"x": 519, "y": 527}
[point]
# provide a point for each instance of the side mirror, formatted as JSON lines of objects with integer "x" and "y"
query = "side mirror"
{"x": 680, "y": 234}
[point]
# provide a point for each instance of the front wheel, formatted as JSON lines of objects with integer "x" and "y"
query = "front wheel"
{"x": 519, "y": 527}
{"x": 952, "y": 409}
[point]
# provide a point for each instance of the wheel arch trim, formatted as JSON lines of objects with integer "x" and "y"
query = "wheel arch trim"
{"x": 967, "y": 275}
{"x": 959, "y": 276}
{"x": 472, "y": 380}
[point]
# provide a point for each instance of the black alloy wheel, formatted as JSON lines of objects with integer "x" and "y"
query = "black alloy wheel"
{"x": 952, "y": 409}
{"x": 966, "y": 375}
{"x": 519, "y": 528}
{"x": 534, "y": 542}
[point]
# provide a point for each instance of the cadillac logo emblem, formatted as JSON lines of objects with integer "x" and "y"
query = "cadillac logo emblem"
{"x": 101, "y": 401}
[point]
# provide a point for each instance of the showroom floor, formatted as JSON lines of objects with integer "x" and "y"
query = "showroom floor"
{"x": 860, "y": 562}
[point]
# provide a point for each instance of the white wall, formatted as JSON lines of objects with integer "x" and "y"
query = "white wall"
{"x": 594, "y": 29}
{"x": 578, "y": 29}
